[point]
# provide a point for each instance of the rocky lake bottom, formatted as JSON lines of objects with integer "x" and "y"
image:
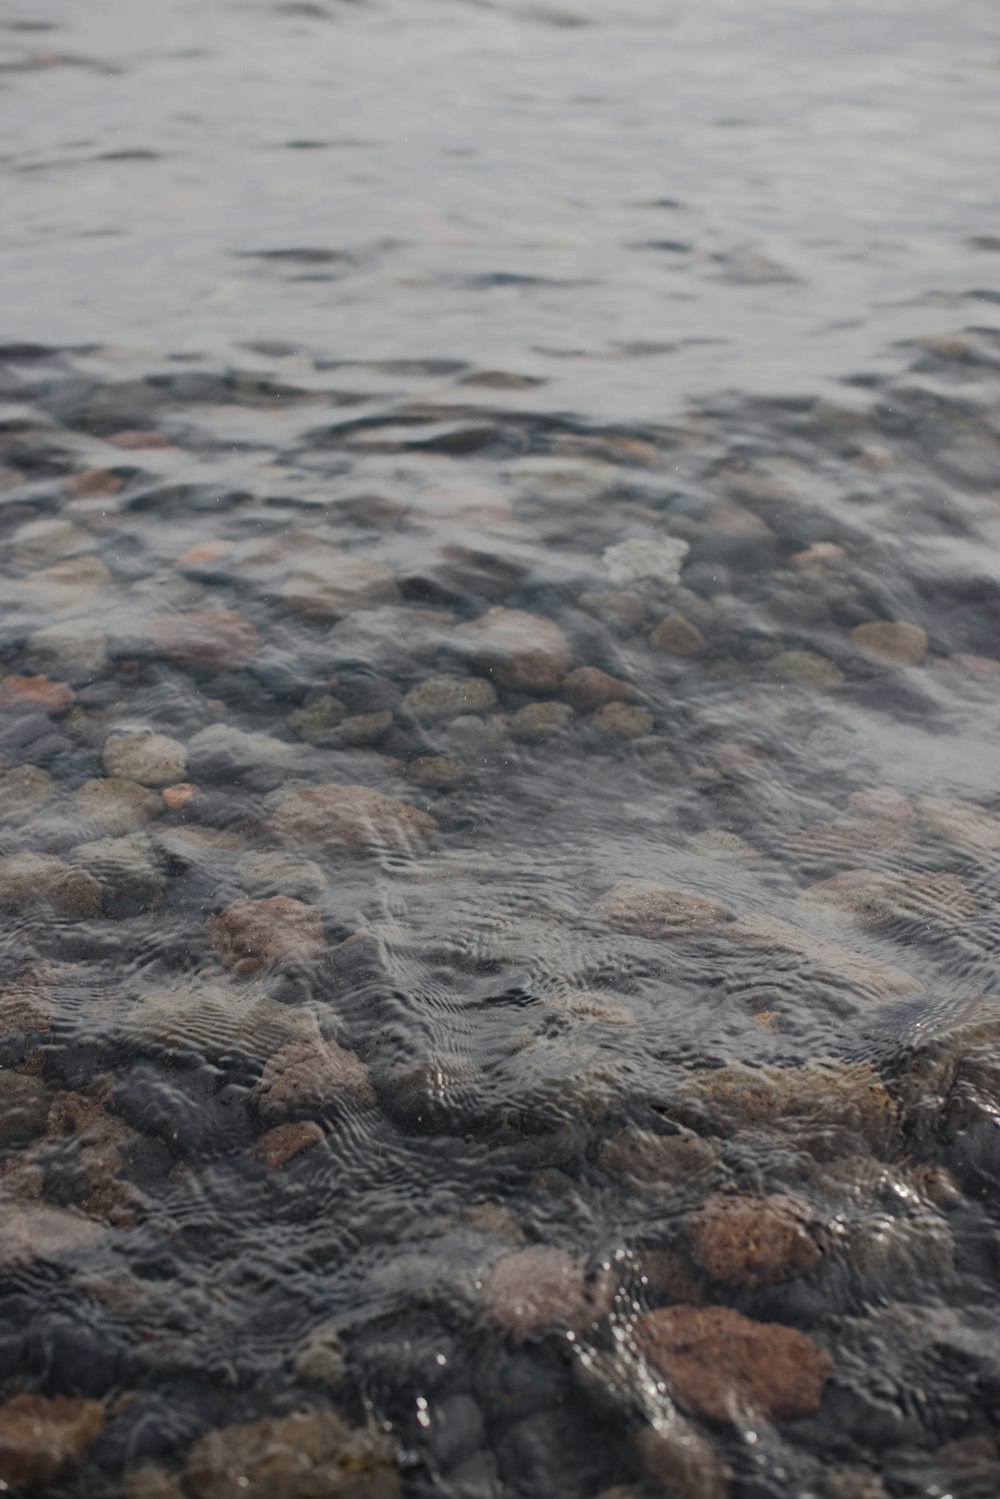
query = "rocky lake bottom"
{"x": 498, "y": 844}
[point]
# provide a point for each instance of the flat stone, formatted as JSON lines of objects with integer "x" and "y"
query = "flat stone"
{"x": 446, "y": 697}
{"x": 884, "y": 803}
{"x": 214, "y": 1021}
{"x": 677, "y": 636}
{"x": 309, "y": 1455}
{"x": 127, "y": 865}
{"x": 24, "y": 1107}
{"x": 223, "y": 750}
{"x": 662, "y": 1163}
{"x": 591, "y": 1007}
{"x": 309, "y": 1077}
{"x": 873, "y": 897}
{"x": 41, "y": 884}
{"x": 805, "y": 669}
{"x": 329, "y": 584}
{"x": 536, "y": 722}
{"x": 256, "y": 935}
{"x": 588, "y": 688}
{"x": 725, "y": 1367}
{"x": 436, "y": 771}
{"x": 754, "y": 1240}
{"x": 623, "y": 720}
{"x": 35, "y": 695}
{"x": 870, "y": 979}
{"x": 362, "y": 729}
{"x": 657, "y": 561}
{"x": 72, "y": 583}
{"x": 77, "y": 650}
{"x": 891, "y": 642}
{"x": 30, "y": 1231}
{"x": 39, "y": 1437}
{"x": 646, "y": 908}
{"x": 268, "y": 872}
{"x": 345, "y": 818}
{"x": 720, "y": 843}
{"x": 626, "y": 611}
{"x": 25, "y": 788}
{"x": 151, "y": 759}
{"x": 961, "y": 823}
{"x": 213, "y": 639}
{"x": 533, "y": 1290}
{"x": 523, "y": 651}
{"x": 40, "y": 541}
{"x": 282, "y": 1144}
{"x": 821, "y": 555}
{"x": 115, "y": 806}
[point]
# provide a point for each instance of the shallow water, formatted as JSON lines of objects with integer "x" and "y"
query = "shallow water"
{"x": 329, "y": 329}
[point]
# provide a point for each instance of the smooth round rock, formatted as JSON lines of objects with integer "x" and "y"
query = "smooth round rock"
{"x": 891, "y": 642}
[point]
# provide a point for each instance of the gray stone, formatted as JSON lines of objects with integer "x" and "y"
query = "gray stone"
{"x": 140, "y": 755}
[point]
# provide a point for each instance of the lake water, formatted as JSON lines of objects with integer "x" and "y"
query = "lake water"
{"x": 499, "y": 823}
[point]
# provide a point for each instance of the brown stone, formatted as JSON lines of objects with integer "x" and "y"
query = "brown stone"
{"x": 805, "y": 669}
{"x": 39, "y": 1437}
{"x": 623, "y": 720}
{"x": 286, "y": 1141}
{"x": 779, "y": 939}
{"x": 37, "y": 694}
{"x": 519, "y": 650}
{"x": 36, "y": 884}
{"x": 820, "y": 555}
{"x": 683, "y": 1461}
{"x": 437, "y": 771}
{"x": 588, "y": 688}
{"x": 210, "y": 638}
{"x": 665, "y": 1163}
{"x": 962, "y": 823}
{"x": 891, "y": 642}
{"x": 37, "y": 1232}
{"x": 845, "y": 840}
{"x": 536, "y": 722}
{"x": 309, "y": 1455}
{"x": 139, "y": 437}
{"x": 95, "y": 481}
{"x": 344, "y": 818}
{"x": 677, "y": 636}
{"x": 253, "y": 935}
{"x": 727, "y": 1368}
{"x": 327, "y": 584}
{"x": 873, "y": 897}
{"x": 645, "y": 908}
{"x": 71, "y": 582}
{"x": 752, "y": 1240}
{"x": 882, "y": 802}
{"x": 615, "y": 607}
{"x": 539, "y": 1288}
{"x": 311, "y": 1077}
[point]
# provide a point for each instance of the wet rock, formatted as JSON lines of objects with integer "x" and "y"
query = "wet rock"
{"x": 890, "y": 1247}
{"x": 536, "y": 722}
{"x": 24, "y": 788}
{"x": 322, "y": 1359}
{"x": 754, "y": 1240}
{"x": 821, "y": 554}
{"x": 683, "y": 1461}
{"x": 70, "y": 584}
{"x": 255, "y": 935}
{"x": 26, "y": 1004}
{"x": 114, "y": 806}
{"x": 40, "y": 884}
{"x": 310, "y": 1077}
{"x": 891, "y": 642}
{"x": 221, "y": 751}
{"x": 127, "y": 865}
{"x": 805, "y": 669}
{"x": 436, "y": 771}
{"x": 720, "y": 843}
{"x": 537, "y": 1289}
{"x": 446, "y": 697}
{"x": 39, "y": 1437}
{"x": 30, "y": 1231}
{"x": 76, "y": 651}
{"x": 340, "y": 819}
{"x": 266, "y": 873}
{"x": 519, "y": 650}
{"x": 150, "y": 759}
{"x": 872, "y": 897}
{"x": 363, "y": 728}
{"x": 862, "y": 975}
{"x": 591, "y": 1007}
{"x": 282, "y": 1144}
{"x": 658, "y": 560}
{"x": 645, "y": 908}
{"x": 213, "y": 639}
{"x": 317, "y": 720}
{"x": 41, "y": 541}
{"x": 391, "y": 637}
{"x": 825, "y": 1109}
{"x": 854, "y": 1483}
{"x": 622, "y": 610}
{"x": 35, "y": 695}
{"x": 329, "y": 584}
{"x": 24, "y": 1107}
{"x": 214, "y": 1020}
{"x": 725, "y": 1367}
{"x": 848, "y": 839}
{"x": 962, "y": 823}
{"x": 677, "y": 636}
{"x": 309, "y": 1455}
{"x": 149, "y": 1481}
{"x": 623, "y": 720}
{"x": 884, "y": 803}
{"x": 197, "y": 847}
{"x": 663, "y": 1163}
{"x": 588, "y": 688}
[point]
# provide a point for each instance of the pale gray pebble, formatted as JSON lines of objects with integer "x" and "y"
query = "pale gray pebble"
{"x": 142, "y": 756}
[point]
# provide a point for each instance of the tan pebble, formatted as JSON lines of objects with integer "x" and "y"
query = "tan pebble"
{"x": 139, "y": 437}
{"x": 40, "y": 1436}
{"x": 95, "y": 482}
{"x": 736, "y": 759}
{"x": 735, "y": 520}
{"x": 447, "y": 697}
{"x": 623, "y": 720}
{"x": 151, "y": 1482}
{"x": 38, "y": 694}
{"x": 882, "y": 801}
{"x": 728, "y": 1368}
{"x": 539, "y": 1288}
{"x": 646, "y": 908}
{"x": 820, "y": 554}
{"x": 806, "y": 669}
{"x": 626, "y": 610}
{"x": 523, "y": 651}
{"x": 854, "y": 1483}
{"x": 255, "y": 935}
{"x": 437, "y": 771}
{"x": 312, "y": 1076}
{"x": 588, "y": 687}
{"x": 204, "y": 552}
{"x": 664, "y": 1163}
{"x": 891, "y": 642}
{"x": 341, "y": 818}
{"x": 211, "y": 638}
{"x": 285, "y": 1141}
{"x": 309, "y": 1455}
{"x": 179, "y": 795}
{"x": 753, "y": 1240}
{"x": 677, "y": 636}
{"x": 536, "y": 722}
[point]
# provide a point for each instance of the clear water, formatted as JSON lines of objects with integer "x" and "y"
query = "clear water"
{"x": 357, "y": 321}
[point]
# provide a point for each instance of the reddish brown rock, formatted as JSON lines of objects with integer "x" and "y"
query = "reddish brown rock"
{"x": 37, "y": 694}
{"x": 677, "y": 636}
{"x": 253, "y": 935}
{"x": 179, "y": 795}
{"x": 39, "y": 1437}
{"x": 210, "y": 638}
{"x": 891, "y": 642}
{"x": 752, "y": 1240}
{"x": 343, "y": 818}
{"x": 727, "y": 1368}
{"x": 286, "y": 1141}
{"x": 539, "y": 1288}
{"x": 202, "y": 553}
{"x": 311, "y": 1077}
{"x": 588, "y": 688}
{"x": 648, "y": 909}
{"x": 519, "y": 650}
{"x": 309, "y": 1455}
